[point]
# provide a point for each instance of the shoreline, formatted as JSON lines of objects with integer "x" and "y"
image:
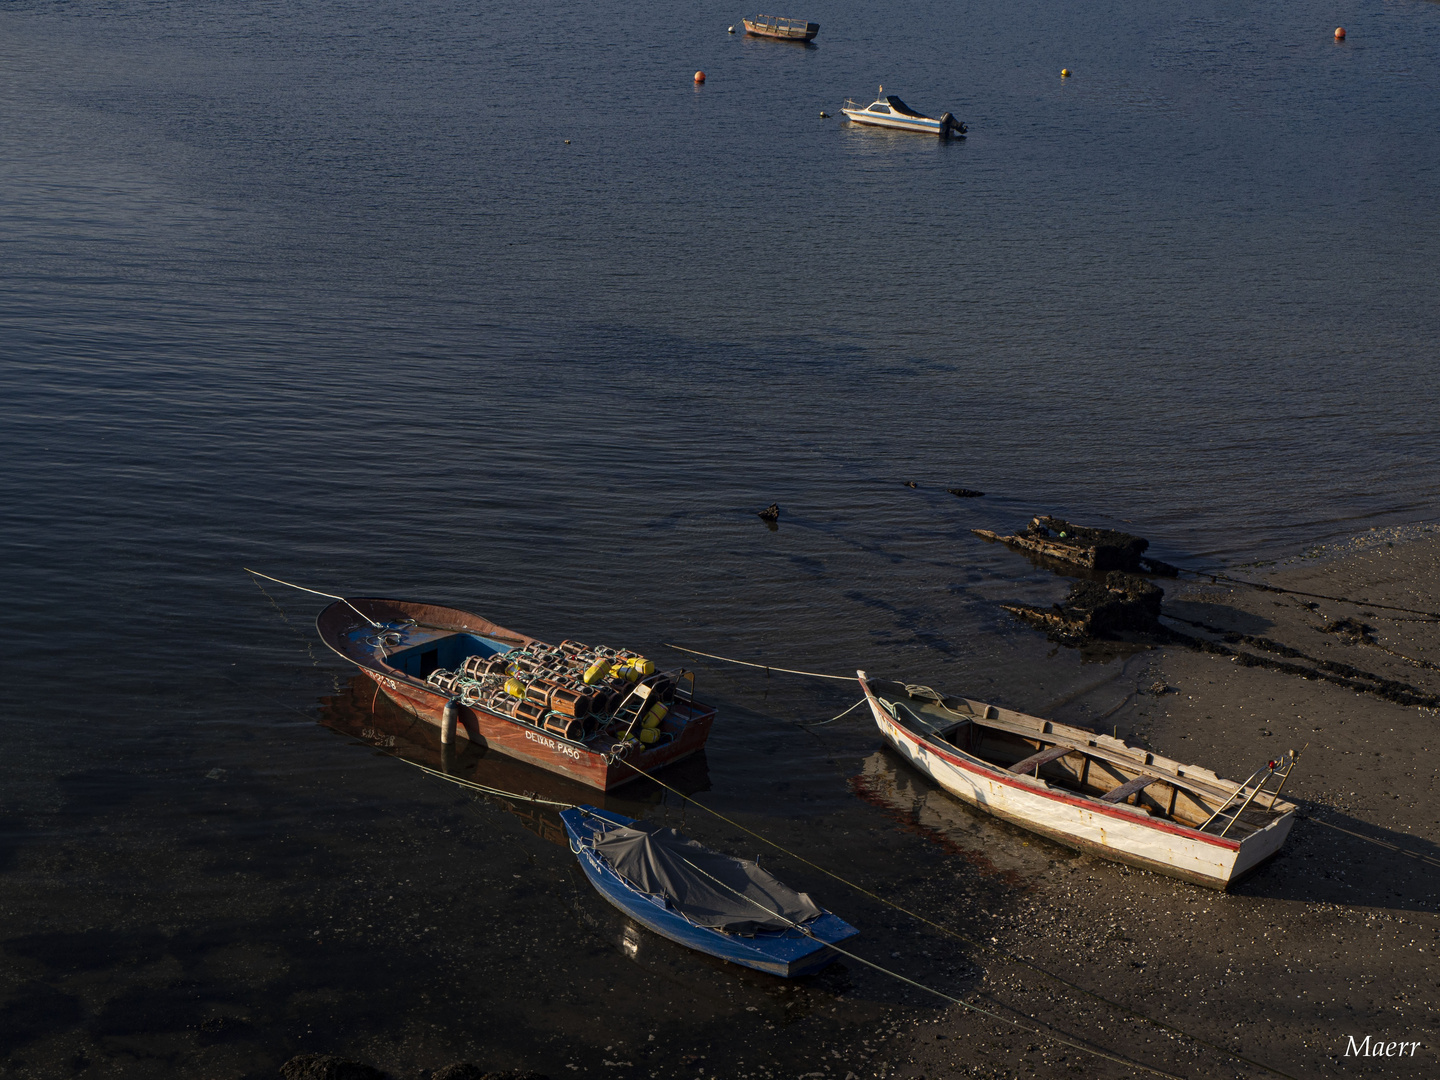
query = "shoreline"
{"x": 1333, "y": 938}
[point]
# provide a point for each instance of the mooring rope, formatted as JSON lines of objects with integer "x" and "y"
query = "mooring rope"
{"x": 766, "y": 667}
{"x": 317, "y": 592}
{"x": 847, "y": 712}
{"x": 484, "y": 788}
{"x": 1262, "y": 587}
{"x": 973, "y": 943}
{"x": 929, "y": 989}
{"x": 1426, "y": 859}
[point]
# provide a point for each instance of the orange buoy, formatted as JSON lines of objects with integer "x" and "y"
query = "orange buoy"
{"x": 1340, "y": 33}
{"x": 699, "y": 76}
{"x": 1064, "y": 73}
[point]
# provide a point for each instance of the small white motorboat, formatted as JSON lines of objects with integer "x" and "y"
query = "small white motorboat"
{"x": 889, "y": 111}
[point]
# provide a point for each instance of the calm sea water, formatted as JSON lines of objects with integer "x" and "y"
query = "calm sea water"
{"x": 324, "y": 290}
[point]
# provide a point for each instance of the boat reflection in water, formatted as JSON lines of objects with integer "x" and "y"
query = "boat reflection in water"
{"x": 993, "y": 848}
{"x": 359, "y": 711}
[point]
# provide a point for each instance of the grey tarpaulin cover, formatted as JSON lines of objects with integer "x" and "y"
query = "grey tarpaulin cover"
{"x": 654, "y": 860}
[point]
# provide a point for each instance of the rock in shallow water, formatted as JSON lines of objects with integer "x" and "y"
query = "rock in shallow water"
{"x": 1123, "y": 604}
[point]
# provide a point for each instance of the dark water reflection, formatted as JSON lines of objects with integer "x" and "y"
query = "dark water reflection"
{"x": 321, "y": 289}
{"x": 361, "y": 712}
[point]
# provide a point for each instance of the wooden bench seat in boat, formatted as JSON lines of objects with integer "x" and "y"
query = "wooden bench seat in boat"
{"x": 1028, "y": 770}
{"x": 1130, "y": 787}
{"x": 1044, "y": 757}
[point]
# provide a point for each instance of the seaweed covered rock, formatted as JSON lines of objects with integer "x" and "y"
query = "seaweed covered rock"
{"x": 1123, "y": 604}
{"x": 1095, "y": 549}
{"x": 1100, "y": 549}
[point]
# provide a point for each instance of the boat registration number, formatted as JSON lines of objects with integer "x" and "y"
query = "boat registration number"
{"x": 551, "y": 744}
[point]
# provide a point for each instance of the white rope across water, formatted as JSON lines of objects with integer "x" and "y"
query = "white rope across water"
{"x": 316, "y": 592}
{"x": 767, "y": 668}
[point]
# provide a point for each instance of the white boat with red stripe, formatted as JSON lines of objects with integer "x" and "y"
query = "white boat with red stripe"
{"x": 1086, "y": 790}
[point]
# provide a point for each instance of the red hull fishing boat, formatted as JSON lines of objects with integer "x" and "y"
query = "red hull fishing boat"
{"x": 1076, "y": 786}
{"x": 600, "y": 716}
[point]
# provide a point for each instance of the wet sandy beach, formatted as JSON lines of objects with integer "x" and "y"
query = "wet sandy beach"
{"x": 410, "y": 924}
{"x": 1336, "y": 937}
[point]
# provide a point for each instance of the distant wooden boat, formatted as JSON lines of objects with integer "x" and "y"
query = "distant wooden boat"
{"x": 774, "y": 26}
{"x": 1086, "y": 790}
{"x": 697, "y": 897}
{"x": 520, "y": 696}
{"x": 889, "y": 111}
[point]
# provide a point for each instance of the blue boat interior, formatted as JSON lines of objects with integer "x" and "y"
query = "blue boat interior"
{"x": 446, "y": 652}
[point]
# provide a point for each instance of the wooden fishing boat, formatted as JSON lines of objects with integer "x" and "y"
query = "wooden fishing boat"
{"x": 360, "y": 713}
{"x": 775, "y": 26}
{"x": 1089, "y": 791}
{"x": 889, "y": 111}
{"x": 698, "y": 897}
{"x": 601, "y": 716}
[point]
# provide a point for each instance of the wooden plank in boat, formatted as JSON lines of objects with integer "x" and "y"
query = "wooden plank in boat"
{"x": 1044, "y": 757}
{"x": 1130, "y": 787}
{"x": 1090, "y": 748}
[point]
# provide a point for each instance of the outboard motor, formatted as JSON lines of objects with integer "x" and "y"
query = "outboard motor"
{"x": 949, "y": 124}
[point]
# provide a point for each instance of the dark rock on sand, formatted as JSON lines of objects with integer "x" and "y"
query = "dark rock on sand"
{"x": 328, "y": 1067}
{"x": 1351, "y": 628}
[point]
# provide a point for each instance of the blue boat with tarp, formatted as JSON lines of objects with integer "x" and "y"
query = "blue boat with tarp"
{"x": 705, "y": 900}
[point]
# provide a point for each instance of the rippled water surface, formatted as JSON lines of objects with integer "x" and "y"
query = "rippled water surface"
{"x": 323, "y": 290}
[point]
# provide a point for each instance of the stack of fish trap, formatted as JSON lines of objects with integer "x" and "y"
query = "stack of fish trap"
{"x": 572, "y": 690}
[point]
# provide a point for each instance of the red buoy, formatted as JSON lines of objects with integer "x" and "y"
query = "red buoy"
{"x": 699, "y": 76}
{"x": 1340, "y": 33}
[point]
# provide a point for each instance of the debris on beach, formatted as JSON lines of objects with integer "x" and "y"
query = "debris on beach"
{"x": 328, "y": 1067}
{"x": 1122, "y": 604}
{"x": 1094, "y": 549}
{"x": 332, "y": 1067}
{"x": 1351, "y": 629}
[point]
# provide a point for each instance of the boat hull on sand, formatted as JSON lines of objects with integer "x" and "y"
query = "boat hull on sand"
{"x": 1081, "y": 786}
{"x": 788, "y": 953}
{"x": 412, "y": 636}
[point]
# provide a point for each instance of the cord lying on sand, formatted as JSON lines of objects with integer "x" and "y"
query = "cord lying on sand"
{"x": 1262, "y": 587}
{"x": 972, "y": 942}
